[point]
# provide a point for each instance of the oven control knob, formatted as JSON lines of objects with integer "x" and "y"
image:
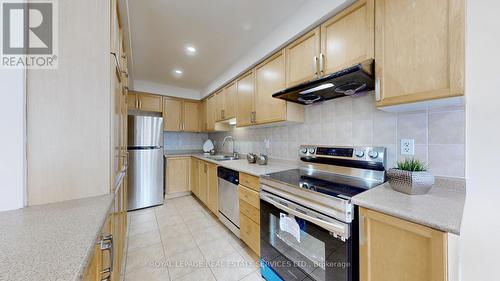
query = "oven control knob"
{"x": 360, "y": 153}
{"x": 373, "y": 154}
{"x": 304, "y": 150}
{"x": 311, "y": 150}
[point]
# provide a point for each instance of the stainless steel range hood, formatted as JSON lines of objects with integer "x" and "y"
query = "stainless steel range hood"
{"x": 352, "y": 81}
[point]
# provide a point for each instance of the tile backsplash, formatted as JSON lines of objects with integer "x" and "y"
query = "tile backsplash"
{"x": 439, "y": 134}
{"x": 183, "y": 141}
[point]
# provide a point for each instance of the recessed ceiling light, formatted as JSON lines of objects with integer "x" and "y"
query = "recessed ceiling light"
{"x": 190, "y": 50}
{"x": 247, "y": 26}
{"x": 177, "y": 73}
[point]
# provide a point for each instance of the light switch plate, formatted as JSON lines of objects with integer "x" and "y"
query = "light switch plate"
{"x": 407, "y": 147}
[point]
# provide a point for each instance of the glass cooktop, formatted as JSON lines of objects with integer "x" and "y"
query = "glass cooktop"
{"x": 323, "y": 182}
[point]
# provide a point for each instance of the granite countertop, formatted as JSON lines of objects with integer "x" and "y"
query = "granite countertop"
{"x": 53, "y": 241}
{"x": 441, "y": 208}
{"x": 240, "y": 165}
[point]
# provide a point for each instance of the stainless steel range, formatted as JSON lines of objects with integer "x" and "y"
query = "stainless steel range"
{"x": 308, "y": 224}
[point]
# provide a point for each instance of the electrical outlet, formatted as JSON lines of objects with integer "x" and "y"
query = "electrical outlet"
{"x": 407, "y": 147}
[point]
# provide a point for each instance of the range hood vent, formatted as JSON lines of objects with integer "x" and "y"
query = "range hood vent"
{"x": 353, "y": 81}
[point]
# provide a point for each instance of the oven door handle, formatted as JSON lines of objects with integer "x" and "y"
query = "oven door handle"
{"x": 338, "y": 229}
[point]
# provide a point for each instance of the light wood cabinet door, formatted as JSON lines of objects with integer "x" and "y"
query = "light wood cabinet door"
{"x": 195, "y": 176}
{"x": 393, "y": 249}
{"x": 270, "y": 78}
{"x": 211, "y": 101}
{"x": 245, "y": 99}
{"x": 302, "y": 58}
{"x": 250, "y": 233}
{"x": 230, "y": 100}
{"x": 419, "y": 50}
{"x": 219, "y": 105}
{"x": 172, "y": 115}
{"x": 191, "y": 115}
{"x": 132, "y": 101}
{"x": 348, "y": 37}
{"x": 203, "y": 116}
{"x": 149, "y": 102}
{"x": 203, "y": 181}
{"x": 213, "y": 189}
{"x": 177, "y": 175}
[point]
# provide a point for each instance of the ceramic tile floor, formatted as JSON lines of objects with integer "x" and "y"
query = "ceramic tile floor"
{"x": 182, "y": 240}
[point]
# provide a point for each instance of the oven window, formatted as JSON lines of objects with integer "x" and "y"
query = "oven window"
{"x": 306, "y": 251}
{"x": 311, "y": 253}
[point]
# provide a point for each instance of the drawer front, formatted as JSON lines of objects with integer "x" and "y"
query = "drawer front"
{"x": 250, "y": 181}
{"x": 250, "y": 233}
{"x": 250, "y": 211}
{"x": 249, "y": 196}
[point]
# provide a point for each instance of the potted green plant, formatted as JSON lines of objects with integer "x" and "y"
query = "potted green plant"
{"x": 411, "y": 177}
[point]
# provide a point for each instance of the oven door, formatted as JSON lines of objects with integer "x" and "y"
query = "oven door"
{"x": 298, "y": 243}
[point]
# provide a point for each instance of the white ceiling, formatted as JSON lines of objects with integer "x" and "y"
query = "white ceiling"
{"x": 221, "y": 30}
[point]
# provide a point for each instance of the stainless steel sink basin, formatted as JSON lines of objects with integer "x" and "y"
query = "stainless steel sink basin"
{"x": 221, "y": 157}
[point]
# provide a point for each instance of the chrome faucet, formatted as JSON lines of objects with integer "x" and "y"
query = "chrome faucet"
{"x": 234, "y": 154}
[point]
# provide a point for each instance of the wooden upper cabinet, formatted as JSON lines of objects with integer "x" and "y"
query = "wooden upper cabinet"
{"x": 270, "y": 78}
{"x": 191, "y": 115}
{"x": 348, "y": 37}
{"x": 219, "y": 105}
{"x": 203, "y": 116}
{"x": 302, "y": 58}
{"x": 132, "y": 101}
{"x": 144, "y": 101}
{"x": 245, "y": 99}
{"x": 230, "y": 100}
{"x": 172, "y": 115}
{"x": 148, "y": 102}
{"x": 393, "y": 249}
{"x": 419, "y": 50}
{"x": 211, "y": 107}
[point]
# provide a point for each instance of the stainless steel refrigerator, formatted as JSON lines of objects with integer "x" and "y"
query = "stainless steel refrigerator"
{"x": 145, "y": 173}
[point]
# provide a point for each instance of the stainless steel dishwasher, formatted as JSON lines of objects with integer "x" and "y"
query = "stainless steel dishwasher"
{"x": 229, "y": 205}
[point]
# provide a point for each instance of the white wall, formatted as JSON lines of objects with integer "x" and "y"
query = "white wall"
{"x": 480, "y": 246}
{"x": 165, "y": 90}
{"x": 308, "y": 15}
{"x": 12, "y": 126}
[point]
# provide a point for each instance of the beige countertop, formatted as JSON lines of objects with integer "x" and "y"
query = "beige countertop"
{"x": 53, "y": 241}
{"x": 442, "y": 208}
{"x": 240, "y": 165}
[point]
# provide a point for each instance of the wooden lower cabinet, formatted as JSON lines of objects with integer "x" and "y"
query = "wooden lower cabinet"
{"x": 109, "y": 252}
{"x": 249, "y": 213}
{"x": 393, "y": 249}
{"x": 194, "y": 176}
{"x": 204, "y": 176}
{"x": 203, "y": 181}
{"x": 177, "y": 175}
{"x": 212, "y": 189}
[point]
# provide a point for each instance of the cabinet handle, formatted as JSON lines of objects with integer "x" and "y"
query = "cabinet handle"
{"x": 315, "y": 66}
{"x": 140, "y": 104}
{"x": 322, "y": 64}
{"x": 137, "y": 103}
{"x": 107, "y": 245}
{"x": 377, "y": 89}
